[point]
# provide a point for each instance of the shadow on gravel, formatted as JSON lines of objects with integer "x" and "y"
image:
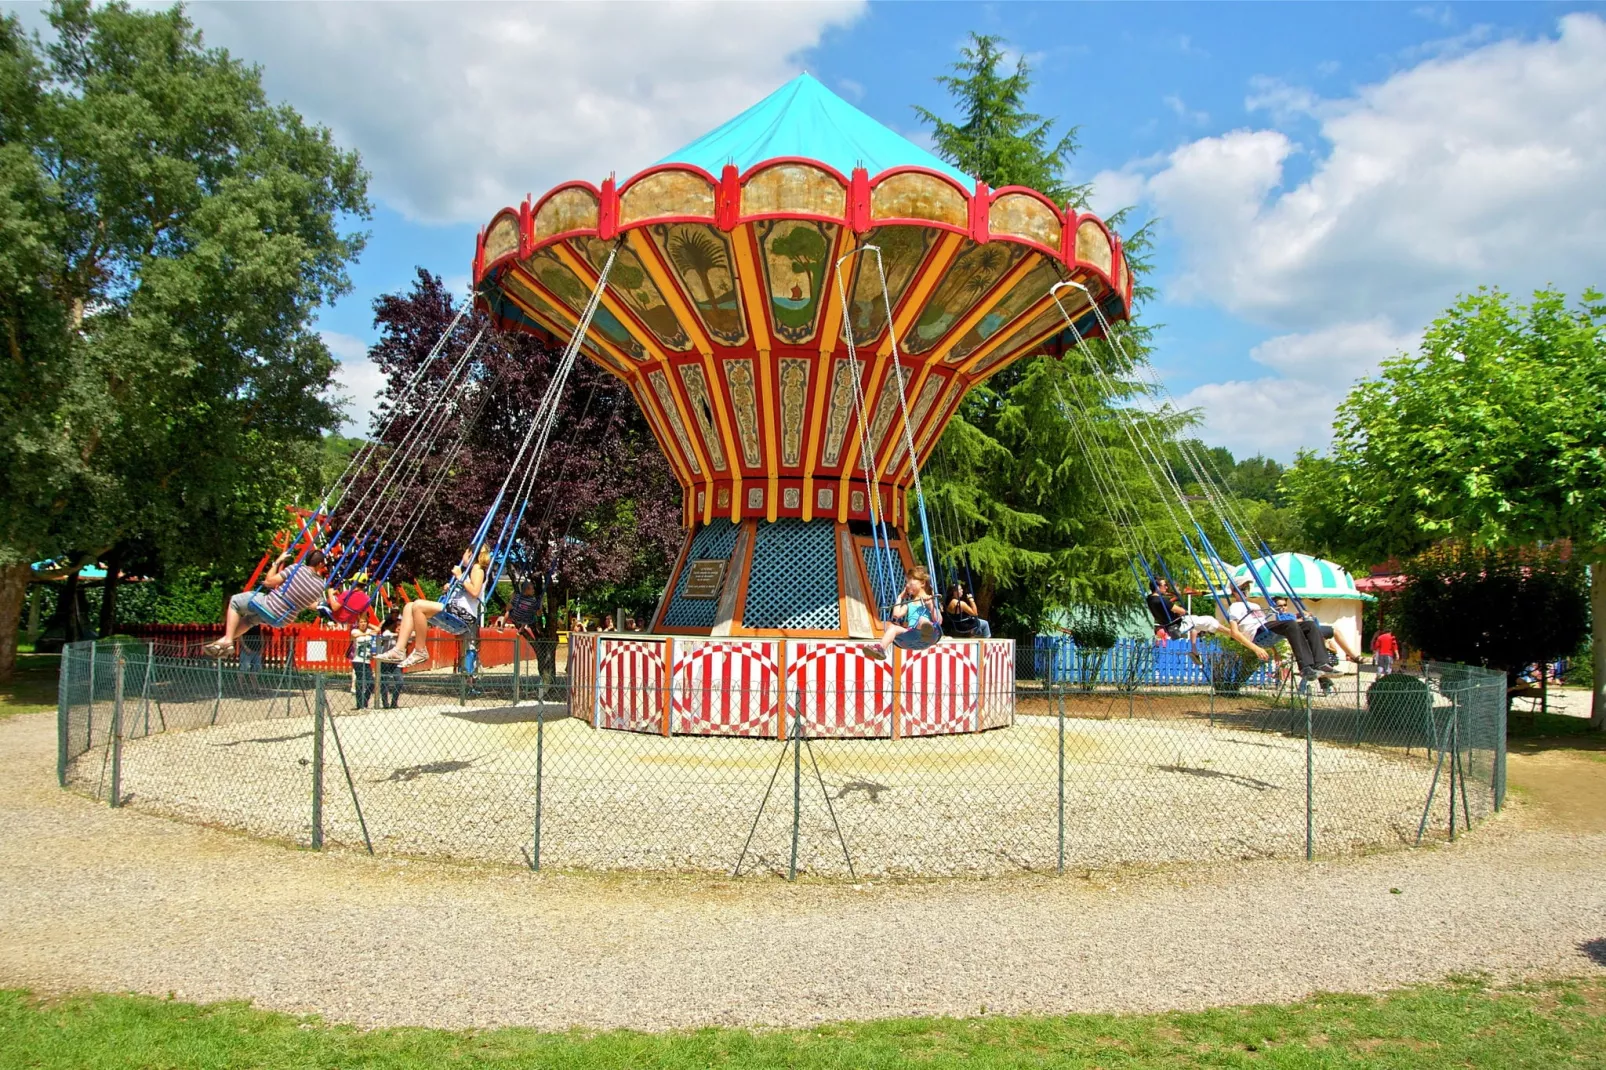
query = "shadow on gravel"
{"x": 547, "y": 712}
{"x": 1594, "y": 950}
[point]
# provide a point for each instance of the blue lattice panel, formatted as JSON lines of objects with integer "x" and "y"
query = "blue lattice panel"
{"x": 884, "y": 566}
{"x": 841, "y": 692}
{"x": 630, "y": 684}
{"x": 939, "y": 689}
{"x": 716, "y": 540}
{"x": 726, "y": 688}
{"x": 793, "y": 580}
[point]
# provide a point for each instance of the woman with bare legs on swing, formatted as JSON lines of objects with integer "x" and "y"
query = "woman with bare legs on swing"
{"x": 461, "y": 613}
{"x": 920, "y": 614}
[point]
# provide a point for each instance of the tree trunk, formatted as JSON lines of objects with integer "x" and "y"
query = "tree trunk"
{"x": 1597, "y": 627}
{"x": 72, "y": 625}
{"x": 108, "y": 593}
{"x": 13, "y": 592}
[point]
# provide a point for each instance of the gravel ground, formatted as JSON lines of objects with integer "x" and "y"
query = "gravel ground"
{"x": 450, "y": 782}
{"x": 123, "y": 900}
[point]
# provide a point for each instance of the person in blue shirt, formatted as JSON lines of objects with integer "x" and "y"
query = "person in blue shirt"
{"x": 916, "y": 618}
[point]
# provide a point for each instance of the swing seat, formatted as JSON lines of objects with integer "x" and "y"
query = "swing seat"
{"x": 271, "y": 619}
{"x": 450, "y": 623}
{"x": 353, "y": 605}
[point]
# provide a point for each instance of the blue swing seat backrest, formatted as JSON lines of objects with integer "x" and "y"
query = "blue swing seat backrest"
{"x": 260, "y": 608}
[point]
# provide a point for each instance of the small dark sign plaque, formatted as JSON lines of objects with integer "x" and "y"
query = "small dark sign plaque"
{"x": 704, "y": 579}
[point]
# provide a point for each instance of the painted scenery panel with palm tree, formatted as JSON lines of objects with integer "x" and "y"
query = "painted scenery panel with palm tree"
{"x": 1027, "y": 292}
{"x": 795, "y": 254}
{"x": 972, "y": 274}
{"x": 702, "y": 258}
{"x": 630, "y": 281}
{"x": 566, "y": 286}
{"x": 903, "y": 249}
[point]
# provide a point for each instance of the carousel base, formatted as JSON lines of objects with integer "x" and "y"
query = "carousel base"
{"x": 761, "y": 688}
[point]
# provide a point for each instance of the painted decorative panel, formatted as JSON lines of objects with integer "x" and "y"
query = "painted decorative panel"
{"x": 567, "y": 287}
{"x": 1023, "y": 216}
{"x": 666, "y": 398}
{"x": 570, "y": 209}
{"x": 726, "y": 689}
{"x": 1093, "y": 246}
{"x": 903, "y": 249}
{"x": 701, "y": 256}
{"x": 667, "y": 193}
{"x": 887, "y": 406}
{"x": 838, "y": 690}
{"x": 917, "y": 196}
{"x": 917, "y": 414}
{"x": 560, "y": 323}
{"x": 796, "y": 256}
{"x": 940, "y": 690}
{"x": 702, "y": 410}
{"x": 794, "y": 401}
{"x": 744, "y": 403}
{"x": 1027, "y": 292}
{"x": 794, "y": 187}
{"x": 630, "y": 281}
{"x": 968, "y": 279}
{"x": 502, "y": 238}
{"x": 840, "y": 413}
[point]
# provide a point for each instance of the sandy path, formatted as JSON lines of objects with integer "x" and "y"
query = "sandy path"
{"x": 95, "y": 898}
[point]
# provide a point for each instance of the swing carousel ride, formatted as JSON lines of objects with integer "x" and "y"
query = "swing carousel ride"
{"x": 798, "y": 301}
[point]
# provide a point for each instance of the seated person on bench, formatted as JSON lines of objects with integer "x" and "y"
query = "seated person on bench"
{"x": 285, "y": 592}
{"x": 921, "y": 616}
{"x": 456, "y": 617}
{"x": 965, "y": 622}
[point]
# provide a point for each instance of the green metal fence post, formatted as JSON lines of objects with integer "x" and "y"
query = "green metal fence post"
{"x": 1060, "y": 695}
{"x": 63, "y": 681}
{"x": 145, "y": 688}
{"x": 317, "y": 764}
{"x": 1455, "y": 756}
{"x": 540, "y": 740}
{"x": 116, "y": 797}
{"x": 1310, "y": 755}
{"x": 217, "y": 706}
{"x": 797, "y": 790}
{"x": 89, "y": 716}
{"x": 517, "y": 642}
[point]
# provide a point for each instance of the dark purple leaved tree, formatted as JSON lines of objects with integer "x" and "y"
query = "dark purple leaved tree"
{"x": 605, "y": 510}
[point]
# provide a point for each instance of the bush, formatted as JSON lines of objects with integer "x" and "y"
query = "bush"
{"x": 1504, "y": 609}
{"x": 1399, "y": 699}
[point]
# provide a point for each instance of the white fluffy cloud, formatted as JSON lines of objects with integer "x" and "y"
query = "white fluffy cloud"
{"x": 359, "y": 380}
{"x": 461, "y": 108}
{"x": 1482, "y": 167}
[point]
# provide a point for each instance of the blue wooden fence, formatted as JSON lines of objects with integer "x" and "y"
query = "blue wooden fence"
{"x": 1145, "y": 663}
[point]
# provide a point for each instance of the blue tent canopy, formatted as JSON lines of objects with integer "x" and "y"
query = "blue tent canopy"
{"x": 803, "y": 118}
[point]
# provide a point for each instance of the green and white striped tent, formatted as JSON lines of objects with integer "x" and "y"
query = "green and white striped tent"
{"x": 1311, "y": 577}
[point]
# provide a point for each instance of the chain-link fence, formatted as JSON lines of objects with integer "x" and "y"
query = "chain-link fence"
{"x": 1084, "y": 770}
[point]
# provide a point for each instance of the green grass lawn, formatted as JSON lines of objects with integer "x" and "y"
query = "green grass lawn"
{"x": 32, "y": 687}
{"x": 1463, "y": 1024}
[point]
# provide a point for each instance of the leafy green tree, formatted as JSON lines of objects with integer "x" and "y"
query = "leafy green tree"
{"x": 1504, "y": 608}
{"x": 999, "y": 141}
{"x": 1492, "y": 433}
{"x": 166, "y": 236}
{"x": 1019, "y": 486}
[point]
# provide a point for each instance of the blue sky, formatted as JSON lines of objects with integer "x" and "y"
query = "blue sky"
{"x": 1324, "y": 177}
